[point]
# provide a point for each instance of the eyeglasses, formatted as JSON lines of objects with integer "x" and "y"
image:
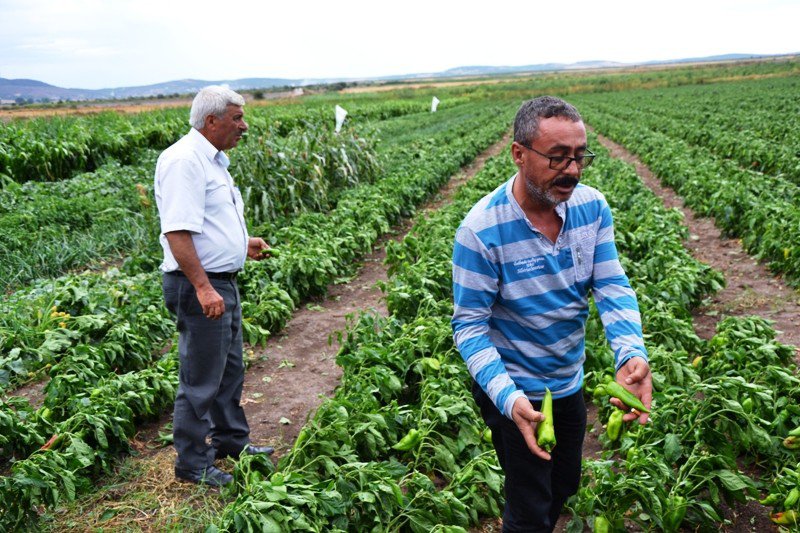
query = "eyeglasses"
{"x": 561, "y": 162}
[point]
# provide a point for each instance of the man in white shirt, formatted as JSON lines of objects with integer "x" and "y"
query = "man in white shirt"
{"x": 205, "y": 244}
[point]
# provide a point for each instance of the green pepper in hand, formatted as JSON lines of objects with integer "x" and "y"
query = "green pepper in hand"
{"x": 545, "y": 430}
{"x": 619, "y": 392}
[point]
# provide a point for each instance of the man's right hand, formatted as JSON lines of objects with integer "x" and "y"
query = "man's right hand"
{"x": 212, "y": 303}
{"x": 527, "y": 418}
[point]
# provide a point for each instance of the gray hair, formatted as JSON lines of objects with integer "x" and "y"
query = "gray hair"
{"x": 526, "y": 123}
{"x": 212, "y": 100}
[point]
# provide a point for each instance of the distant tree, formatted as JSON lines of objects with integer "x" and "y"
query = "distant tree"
{"x": 258, "y": 95}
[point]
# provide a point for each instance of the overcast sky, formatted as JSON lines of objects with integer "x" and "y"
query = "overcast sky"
{"x": 96, "y": 44}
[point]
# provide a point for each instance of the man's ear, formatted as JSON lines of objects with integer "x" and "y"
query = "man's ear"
{"x": 516, "y": 153}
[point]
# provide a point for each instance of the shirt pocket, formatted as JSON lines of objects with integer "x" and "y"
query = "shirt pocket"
{"x": 217, "y": 194}
{"x": 583, "y": 258}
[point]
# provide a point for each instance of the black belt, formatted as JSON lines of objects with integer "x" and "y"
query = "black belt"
{"x": 227, "y": 276}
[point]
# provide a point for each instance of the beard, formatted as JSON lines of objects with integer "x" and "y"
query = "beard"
{"x": 545, "y": 195}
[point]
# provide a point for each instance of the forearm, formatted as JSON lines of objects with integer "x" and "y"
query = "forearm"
{"x": 619, "y": 312}
{"x": 184, "y": 252}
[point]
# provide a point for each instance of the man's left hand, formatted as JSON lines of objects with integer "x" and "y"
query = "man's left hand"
{"x": 256, "y": 247}
{"x": 635, "y": 376}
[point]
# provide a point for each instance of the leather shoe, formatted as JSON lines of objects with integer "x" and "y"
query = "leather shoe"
{"x": 211, "y": 476}
{"x": 259, "y": 450}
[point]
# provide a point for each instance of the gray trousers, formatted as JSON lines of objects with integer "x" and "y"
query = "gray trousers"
{"x": 208, "y": 421}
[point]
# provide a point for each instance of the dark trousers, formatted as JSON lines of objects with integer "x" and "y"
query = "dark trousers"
{"x": 536, "y": 489}
{"x": 208, "y": 421}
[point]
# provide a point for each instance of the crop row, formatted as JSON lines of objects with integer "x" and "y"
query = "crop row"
{"x": 52, "y": 149}
{"x": 754, "y": 123}
{"x": 319, "y": 248}
{"x": 761, "y": 210}
{"x": 48, "y": 228}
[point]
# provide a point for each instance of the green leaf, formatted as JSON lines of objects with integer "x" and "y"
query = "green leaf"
{"x": 367, "y": 497}
{"x": 732, "y": 481}
{"x": 672, "y": 448}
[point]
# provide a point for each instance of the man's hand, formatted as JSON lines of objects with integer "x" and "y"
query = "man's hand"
{"x": 635, "y": 376}
{"x": 212, "y": 303}
{"x": 256, "y": 247}
{"x": 526, "y": 419}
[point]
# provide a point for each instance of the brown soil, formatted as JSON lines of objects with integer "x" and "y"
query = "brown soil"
{"x": 91, "y": 108}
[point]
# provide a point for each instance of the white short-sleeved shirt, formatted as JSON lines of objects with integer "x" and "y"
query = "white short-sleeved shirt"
{"x": 195, "y": 192}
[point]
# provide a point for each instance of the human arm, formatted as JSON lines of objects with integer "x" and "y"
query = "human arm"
{"x": 183, "y": 250}
{"x": 475, "y": 288}
{"x": 619, "y": 311}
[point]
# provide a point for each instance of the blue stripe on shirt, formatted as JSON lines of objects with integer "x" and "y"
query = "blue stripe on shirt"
{"x": 503, "y": 266}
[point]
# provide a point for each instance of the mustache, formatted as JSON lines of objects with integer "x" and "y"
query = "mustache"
{"x": 566, "y": 181}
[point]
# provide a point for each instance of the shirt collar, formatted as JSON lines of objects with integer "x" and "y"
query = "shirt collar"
{"x": 208, "y": 149}
{"x": 561, "y": 209}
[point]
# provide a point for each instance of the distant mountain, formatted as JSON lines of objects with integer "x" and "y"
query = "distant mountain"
{"x": 36, "y": 90}
{"x": 11, "y": 90}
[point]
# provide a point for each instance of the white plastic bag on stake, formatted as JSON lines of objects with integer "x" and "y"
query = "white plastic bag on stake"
{"x": 340, "y": 114}
{"x": 434, "y": 104}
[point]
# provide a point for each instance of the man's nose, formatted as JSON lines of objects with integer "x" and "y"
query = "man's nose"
{"x": 572, "y": 168}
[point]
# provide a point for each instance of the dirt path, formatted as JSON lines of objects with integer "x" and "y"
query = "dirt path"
{"x": 286, "y": 382}
{"x": 751, "y": 288}
{"x": 300, "y": 364}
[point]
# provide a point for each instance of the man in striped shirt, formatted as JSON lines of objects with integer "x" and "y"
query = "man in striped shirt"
{"x": 525, "y": 258}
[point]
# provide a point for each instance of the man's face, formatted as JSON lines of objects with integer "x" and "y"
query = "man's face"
{"x": 224, "y": 132}
{"x": 558, "y": 136}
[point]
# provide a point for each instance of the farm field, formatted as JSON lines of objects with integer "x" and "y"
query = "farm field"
{"x": 88, "y": 369}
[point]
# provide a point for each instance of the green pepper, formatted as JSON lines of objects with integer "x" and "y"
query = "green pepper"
{"x": 632, "y": 454}
{"x": 771, "y": 499}
{"x": 614, "y": 426}
{"x": 625, "y": 396}
{"x": 546, "y": 431}
{"x": 791, "y": 498}
{"x": 795, "y": 432}
{"x": 785, "y": 518}
{"x": 302, "y": 437}
{"x": 408, "y": 442}
{"x": 747, "y": 405}
{"x": 601, "y": 524}
{"x": 792, "y": 443}
{"x": 676, "y": 510}
{"x": 271, "y": 252}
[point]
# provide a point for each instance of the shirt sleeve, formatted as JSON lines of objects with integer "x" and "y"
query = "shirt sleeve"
{"x": 475, "y": 286}
{"x": 183, "y": 189}
{"x": 616, "y": 302}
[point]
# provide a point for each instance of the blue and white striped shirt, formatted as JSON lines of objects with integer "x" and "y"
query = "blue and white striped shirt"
{"x": 521, "y": 301}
